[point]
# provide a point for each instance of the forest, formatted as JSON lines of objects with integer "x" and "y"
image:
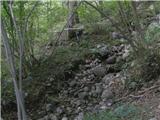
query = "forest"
{"x": 80, "y": 60}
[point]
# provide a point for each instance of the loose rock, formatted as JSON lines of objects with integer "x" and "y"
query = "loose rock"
{"x": 64, "y": 118}
{"x": 111, "y": 60}
{"x": 82, "y": 95}
{"x": 53, "y": 117}
{"x": 99, "y": 71}
{"x": 107, "y": 94}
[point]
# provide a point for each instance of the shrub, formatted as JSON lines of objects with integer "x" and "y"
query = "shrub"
{"x": 146, "y": 65}
{"x": 122, "y": 112}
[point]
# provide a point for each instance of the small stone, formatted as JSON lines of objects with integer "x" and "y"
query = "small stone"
{"x": 78, "y": 102}
{"x": 80, "y": 116}
{"x": 64, "y": 118}
{"x": 72, "y": 83}
{"x": 76, "y": 77}
{"x": 108, "y": 78}
{"x": 153, "y": 118}
{"x": 111, "y": 60}
{"x": 98, "y": 90}
{"x": 109, "y": 103}
{"x": 116, "y": 35}
{"x": 119, "y": 59}
{"x": 51, "y": 79}
{"x": 107, "y": 94}
{"x": 103, "y": 51}
{"x": 53, "y": 117}
{"x": 78, "y": 110}
{"x": 59, "y": 110}
{"x": 103, "y": 107}
{"x": 86, "y": 89}
{"x": 25, "y": 94}
{"x": 69, "y": 109}
{"x": 48, "y": 84}
{"x": 82, "y": 95}
{"x": 49, "y": 107}
{"x": 125, "y": 55}
{"x": 132, "y": 85}
{"x": 99, "y": 71}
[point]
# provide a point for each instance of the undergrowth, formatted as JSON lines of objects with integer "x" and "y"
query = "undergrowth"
{"x": 123, "y": 112}
{"x": 146, "y": 60}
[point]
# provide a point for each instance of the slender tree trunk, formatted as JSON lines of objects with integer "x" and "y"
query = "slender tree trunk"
{"x": 11, "y": 64}
{"x": 21, "y": 48}
{"x": 73, "y": 18}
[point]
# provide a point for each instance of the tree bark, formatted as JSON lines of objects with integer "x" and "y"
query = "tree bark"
{"x": 72, "y": 17}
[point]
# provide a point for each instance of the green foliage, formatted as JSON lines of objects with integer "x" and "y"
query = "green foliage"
{"x": 106, "y": 115}
{"x": 88, "y": 14}
{"x": 110, "y": 7}
{"x": 67, "y": 54}
{"x": 146, "y": 65}
{"x": 156, "y": 7}
{"x": 123, "y": 112}
{"x": 153, "y": 33}
{"x": 99, "y": 28}
{"x": 128, "y": 111}
{"x": 149, "y": 64}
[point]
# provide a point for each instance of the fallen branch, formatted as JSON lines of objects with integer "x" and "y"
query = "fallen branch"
{"x": 148, "y": 89}
{"x": 140, "y": 95}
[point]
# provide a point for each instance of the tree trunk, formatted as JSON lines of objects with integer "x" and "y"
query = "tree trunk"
{"x": 72, "y": 17}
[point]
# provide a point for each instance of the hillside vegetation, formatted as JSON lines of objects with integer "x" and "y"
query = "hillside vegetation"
{"x": 80, "y": 60}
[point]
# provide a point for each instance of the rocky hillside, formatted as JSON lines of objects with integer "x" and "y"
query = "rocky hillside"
{"x": 96, "y": 85}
